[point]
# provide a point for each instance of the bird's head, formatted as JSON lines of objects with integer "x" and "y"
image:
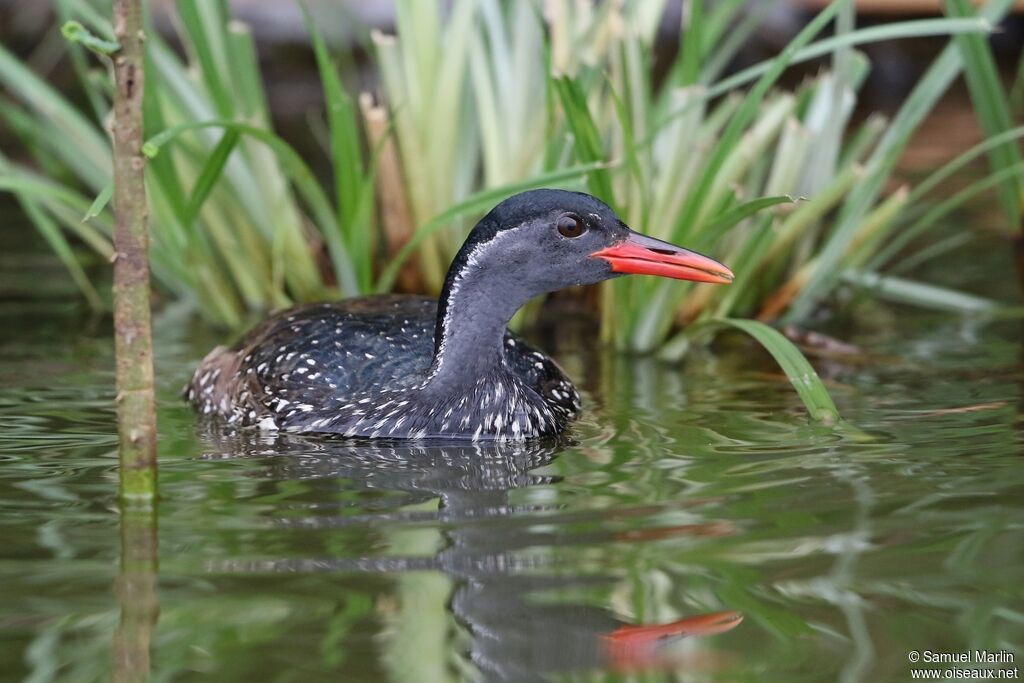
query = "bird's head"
{"x": 551, "y": 239}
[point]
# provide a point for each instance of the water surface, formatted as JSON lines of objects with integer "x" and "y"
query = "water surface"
{"x": 684, "y": 491}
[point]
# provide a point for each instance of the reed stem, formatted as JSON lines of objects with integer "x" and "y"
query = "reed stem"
{"x": 136, "y": 415}
{"x": 136, "y": 594}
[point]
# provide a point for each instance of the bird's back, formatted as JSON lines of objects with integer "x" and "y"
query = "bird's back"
{"x": 315, "y": 354}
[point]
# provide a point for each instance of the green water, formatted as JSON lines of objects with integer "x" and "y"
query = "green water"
{"x": 685, "y": 490}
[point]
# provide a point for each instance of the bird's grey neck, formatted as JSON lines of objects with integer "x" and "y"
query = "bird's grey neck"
{"x": 473, "y": 314}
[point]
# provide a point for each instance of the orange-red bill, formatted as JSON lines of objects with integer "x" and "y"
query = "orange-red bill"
{"x": 642, "y": 255}
{"x": 636, "y": 647}
{"x": 700, "y": 625}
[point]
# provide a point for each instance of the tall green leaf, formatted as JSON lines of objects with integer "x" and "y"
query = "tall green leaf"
{"x": 992, "y": 107}
{"x": 919, "y": 103}
{"x": 805, "y": 380}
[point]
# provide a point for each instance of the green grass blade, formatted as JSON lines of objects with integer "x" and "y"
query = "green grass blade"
{"x": 100, "y": 203}
{"x": 243, "y": 65}
{"x": 61, "y": 201}
{"x": 301, "y": 175}
{"x": 992, "y": 109}
{"x": 37, "y": 187}
{"x": 345, "y": 153}
{"x": 346, "y": 158}
{"x": 92, "y": 17}
{"x": 587, "y": 140}
{"x": 161, "y": 170}
{"x": 60, "y": 246}
{"x": 883, "y": 160}
{"x": 805, "y": 380}
{"x": 210, "y": 174}
{"x": 80, "y": 144}
{"x": 744, "y": 116}
{"x": 74, "y": 32}
{"x": 905, "y": 29}
{"x": 689, "y": 69}
{"x": 95, "y": 234}
{"x": 950, "y": 168}
{"x": 743, "y": 262}
{"x": 722, "y": 17}
{"x": 920, "y": 294}
{"x": 937, "y": 212}
{"x": 725, "y": 221}
{"x": 929, "y": 252}
{"x": 204, "y": 24}
{"x": 723, "y": 50}
{"x": 1017, "y": 89}
{"x": 23, "y": 188}
{"x": 801, "y": 374}
{"x": 917, "y": 28}
{"x": 862, "y": 141}
{"x": 710, "y": 188}
{"x": 98, "y": 86}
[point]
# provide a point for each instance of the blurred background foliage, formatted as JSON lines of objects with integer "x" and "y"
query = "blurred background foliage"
{"x": 787, "y": 173}
{"x": 425, "y": 127}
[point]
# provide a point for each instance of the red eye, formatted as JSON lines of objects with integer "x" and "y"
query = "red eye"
{"x": 571, "y": 225}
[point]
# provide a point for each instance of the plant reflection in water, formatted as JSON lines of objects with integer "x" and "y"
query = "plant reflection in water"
{"x": 494, "y": 586}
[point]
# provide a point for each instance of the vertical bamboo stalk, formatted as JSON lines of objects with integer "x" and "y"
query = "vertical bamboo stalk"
{"x": 136, "y": 415}
{"x": 136, "y": 594}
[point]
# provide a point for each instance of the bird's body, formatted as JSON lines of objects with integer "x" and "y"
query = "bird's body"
{"x": 406, "y": 367}
{"x": 360, "y": 367}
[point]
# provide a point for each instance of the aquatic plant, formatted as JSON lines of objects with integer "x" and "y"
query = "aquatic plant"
{"x": 133, "y": 331}
{"x": 756, "y": 179}
{"x": 490, "y": 99}
{"x": 228, "y": 231}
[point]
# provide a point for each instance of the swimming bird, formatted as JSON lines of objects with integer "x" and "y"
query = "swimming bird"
{"x": 409, "y": 367}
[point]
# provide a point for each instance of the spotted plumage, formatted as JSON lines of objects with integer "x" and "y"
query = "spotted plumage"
{"x": 358, "y": 367}
{"x": 403, "y": 367}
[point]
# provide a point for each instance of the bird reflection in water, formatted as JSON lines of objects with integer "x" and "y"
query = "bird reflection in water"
{"x": 485, "y": 550}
